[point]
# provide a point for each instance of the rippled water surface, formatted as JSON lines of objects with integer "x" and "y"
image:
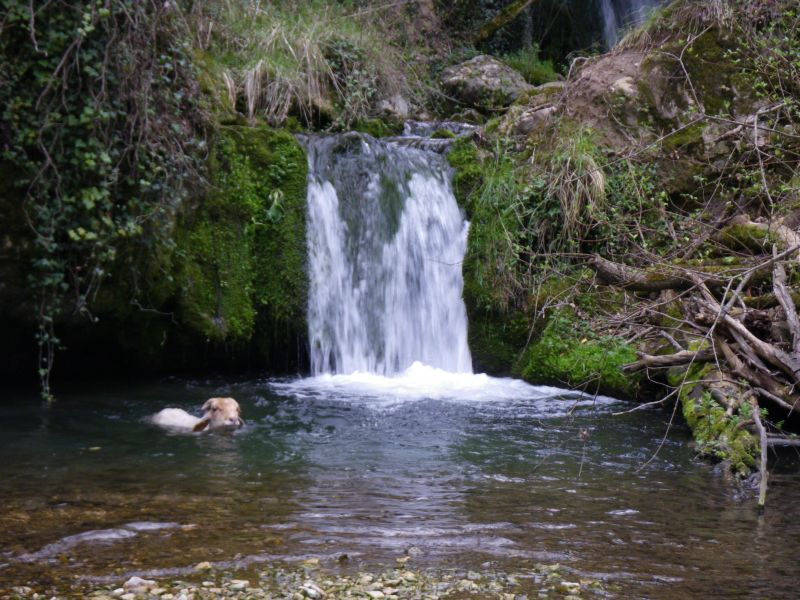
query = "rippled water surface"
{"x": 470, "y": 475}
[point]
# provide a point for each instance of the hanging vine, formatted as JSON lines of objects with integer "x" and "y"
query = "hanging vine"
{"x": 103, "y": 126}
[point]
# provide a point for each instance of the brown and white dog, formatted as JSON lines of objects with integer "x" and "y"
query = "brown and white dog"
{"x": 219, "y": 413}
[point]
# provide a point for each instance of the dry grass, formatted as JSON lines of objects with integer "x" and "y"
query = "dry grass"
{"x": 688, "y": 16}
{"x": 577, "y": 180}
{"x": 311, "y": 59}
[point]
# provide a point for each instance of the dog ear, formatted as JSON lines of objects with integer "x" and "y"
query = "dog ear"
{"x": 201, "y": 425}
{"x": 207, "y": 406}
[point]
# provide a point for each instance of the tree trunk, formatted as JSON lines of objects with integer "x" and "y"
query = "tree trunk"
{"x": 503, "y": 18}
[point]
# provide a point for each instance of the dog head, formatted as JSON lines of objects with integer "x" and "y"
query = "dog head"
{"x": 220, "y": 413}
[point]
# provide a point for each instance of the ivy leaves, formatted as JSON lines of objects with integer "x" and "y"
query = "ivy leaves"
{"x": 94, "y": 125}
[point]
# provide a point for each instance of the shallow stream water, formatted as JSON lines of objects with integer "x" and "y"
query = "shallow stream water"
{"x": 475, "y": 474}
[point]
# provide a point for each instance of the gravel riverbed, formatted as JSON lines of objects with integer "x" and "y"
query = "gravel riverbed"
{"x": 311, "y": 582}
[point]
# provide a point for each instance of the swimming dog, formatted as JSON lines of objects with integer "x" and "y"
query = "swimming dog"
{"x": 218, "y": 413}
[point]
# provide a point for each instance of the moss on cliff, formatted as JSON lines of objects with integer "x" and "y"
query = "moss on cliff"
{"x": 241, "y": 252}
{"x": 497, "y": 330}
{"x": 468, "y": 172}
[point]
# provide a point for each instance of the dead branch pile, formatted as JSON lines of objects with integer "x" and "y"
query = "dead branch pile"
{"x": 749, "y": 331}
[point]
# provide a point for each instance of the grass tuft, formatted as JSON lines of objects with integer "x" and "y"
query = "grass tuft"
{"x": 313, "y": 60}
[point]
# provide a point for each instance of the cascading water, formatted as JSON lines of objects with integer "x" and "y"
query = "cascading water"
{"x": 620, "y": 14}
{"x": 386, "y": 240}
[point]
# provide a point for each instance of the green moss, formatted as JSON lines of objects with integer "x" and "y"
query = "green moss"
{"x": 442, "y": 134}
{"x": 468, "y": 176}
{"x": 538, "y": 95}
{"x": 492, "y": 126}
{"x": 686, "y": 138}
{"x": 748, "y": 237}
{"x": 717, "y": 434}
{"x": 241, "y": 252}
{"x": 568, "y": 353}
{"x": 377, "y": 128}
{"x": 490, "y": 192}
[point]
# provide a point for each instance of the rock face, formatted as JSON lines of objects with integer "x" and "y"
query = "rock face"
{"x": 484, "y": 83}
{"x": 394, "y": 109}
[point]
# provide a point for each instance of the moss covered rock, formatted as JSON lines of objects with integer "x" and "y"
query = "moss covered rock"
{"x": 496, "y": 332}
{"x": 568, "y": 353}
{"x": 241, "y": 251}
{"x": 484, "y": 83}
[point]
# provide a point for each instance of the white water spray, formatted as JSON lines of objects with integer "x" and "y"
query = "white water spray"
{"x": 385, "y": 240}
{"x": 621, "y": 14}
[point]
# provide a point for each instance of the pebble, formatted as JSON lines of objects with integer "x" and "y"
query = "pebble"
{"x": 569, "y": 587}
{"x": 203, "y": 566}
{"x": 137, "y": 585}
{"x": 311, "y": 590}
{"x": 298, "y": 583}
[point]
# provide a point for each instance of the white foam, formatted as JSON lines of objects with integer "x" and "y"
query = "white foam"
{"x": 422, "y": 382}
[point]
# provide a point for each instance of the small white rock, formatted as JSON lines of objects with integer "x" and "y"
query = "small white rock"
{"x": 311, "y": 590}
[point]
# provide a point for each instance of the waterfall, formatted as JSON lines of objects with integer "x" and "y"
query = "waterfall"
{"x": 621, "y": 14}
{"x": 385, "y": 244}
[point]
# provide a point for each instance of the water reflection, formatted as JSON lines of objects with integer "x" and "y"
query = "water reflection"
{"x": 89, "y": 488}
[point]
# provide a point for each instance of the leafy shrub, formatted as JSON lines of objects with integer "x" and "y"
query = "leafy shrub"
{"x": 103, "y": 128}
{"x": 535, "y": 70}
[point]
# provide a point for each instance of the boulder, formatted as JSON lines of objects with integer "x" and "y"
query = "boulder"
{"x": 484, "y": 83}
{"x": 394, "y": 108}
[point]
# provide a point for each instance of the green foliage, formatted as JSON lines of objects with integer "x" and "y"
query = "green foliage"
{"x": 634, "y": 215}
{"x": 103, "y": 127}
{"x": 496, "y": 268}
{"x": 718, "y": 434}
{"x": 468, "y": 171}
{"x": 376, "y": 128}
{"x": 242, "y": 250}
{"x": 443, "y": 134}
{"x": 535, "y": 70}
{"x": 569, "y": 352}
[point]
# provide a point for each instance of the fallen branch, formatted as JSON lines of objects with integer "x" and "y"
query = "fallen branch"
{"x": 762, "y": 433}
{"x": 775, "y": 398}
{"x": 684, "y": 357}
{"x": 786, "y": 302}
{"x": 503, "y": 18}
{"x": 631, "y": 278}
{"x": 787, "y": 363}
{"x": 781, "y": 441}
